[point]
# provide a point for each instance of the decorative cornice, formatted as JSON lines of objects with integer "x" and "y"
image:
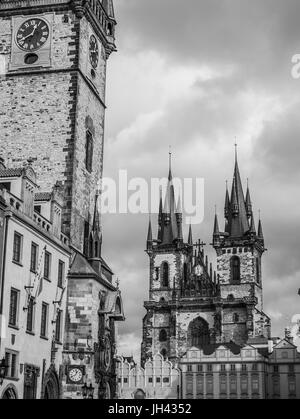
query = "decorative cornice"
{"x": 25, "y": 4}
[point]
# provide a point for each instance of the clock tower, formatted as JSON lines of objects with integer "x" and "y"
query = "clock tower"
{"x": 53, "y": 56}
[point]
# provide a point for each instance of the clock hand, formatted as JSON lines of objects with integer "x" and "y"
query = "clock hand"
{"x": 31, "y": 34}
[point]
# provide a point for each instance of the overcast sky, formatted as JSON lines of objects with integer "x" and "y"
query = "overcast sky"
{"x": 195, "y": 75}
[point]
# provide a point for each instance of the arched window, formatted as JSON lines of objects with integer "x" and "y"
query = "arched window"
{"x": 89, "y": 147}
{"x": 235, "y": 269}
{"x": 165, "y": 275}
{"x": 198, "y": 333}
{"x": 164, "y": 353}
{"x": 163, "y": 336}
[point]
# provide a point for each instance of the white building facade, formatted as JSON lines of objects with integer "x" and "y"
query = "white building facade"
{"x": 35, "y": 265}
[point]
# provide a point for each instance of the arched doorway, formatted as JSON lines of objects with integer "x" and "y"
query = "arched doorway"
{"x": 10, "y": 393}
{"x": 198, "y": 333}
{"x": 52, "y": 388}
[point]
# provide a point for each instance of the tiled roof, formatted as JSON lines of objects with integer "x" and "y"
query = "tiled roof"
{"x": 42, "y": 196}
{"x": 210, "y": 349}
{"x": 10, "y": 172}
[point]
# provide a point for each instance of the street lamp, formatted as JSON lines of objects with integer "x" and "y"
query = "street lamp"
{"x": 3, "y": 368}
{"x": 88, "y": 391}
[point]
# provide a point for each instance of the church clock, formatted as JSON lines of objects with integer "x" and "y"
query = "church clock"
{"x": 32, "y": 34}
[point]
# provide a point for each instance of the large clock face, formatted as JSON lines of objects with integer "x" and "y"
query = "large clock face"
{"x": 32, "y": 34}
{"x": 75, "y": 375}
{"x": 94, "y": 51}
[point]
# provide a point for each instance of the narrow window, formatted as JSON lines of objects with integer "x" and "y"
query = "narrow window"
{"x": 257, "y": 270}
{"x": 165, "y": 275}
{"x": 17, "y": 247}
{"x": 47, "y": 266}
{"x": 61, "y": 273}
{"x": 235, "y": 269}
{"x": 44, "y": 320}
{"x": 34, "y": 256}
{"x": 13, "y": 308}
{"x": 58, "y": 326}
{"x": 30, "y": 315}
{"x": 89, "y": 152}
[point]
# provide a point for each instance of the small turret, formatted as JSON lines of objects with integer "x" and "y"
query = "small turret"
{"x": 149, "y": 237}
{"x": 248, "y": 203}
{"x": 260, "y": 233}
{"x": 216, "y": 235}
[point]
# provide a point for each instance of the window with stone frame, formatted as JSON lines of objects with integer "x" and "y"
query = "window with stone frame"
{"x": 11, "y": 362}
{"x": 89, "y": 151}
{"x": 30, "y": 315}
{"x": 165, "y": 275}
{"x": 235, "y": 265}
{"x": 17, "y": 247}
{"x": 14, "y": 307}
{"x": 34, "y": 257}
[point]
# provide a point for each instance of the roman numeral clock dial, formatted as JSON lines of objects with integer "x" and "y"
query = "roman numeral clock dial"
{"x": 32, "y": 35}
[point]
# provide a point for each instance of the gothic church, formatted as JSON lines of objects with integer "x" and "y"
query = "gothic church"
{"x": 190, "y": 304}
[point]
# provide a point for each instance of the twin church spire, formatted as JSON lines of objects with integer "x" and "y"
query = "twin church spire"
{"x": 238, "y": 213}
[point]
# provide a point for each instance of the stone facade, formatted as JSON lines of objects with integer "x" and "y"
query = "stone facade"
{"x": 190, "y": 304}
{"x": 94, "y": 305}
{"x": 58, "y": 103}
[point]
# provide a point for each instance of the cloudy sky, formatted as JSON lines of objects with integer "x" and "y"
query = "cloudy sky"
{"x": 196, "y": 75}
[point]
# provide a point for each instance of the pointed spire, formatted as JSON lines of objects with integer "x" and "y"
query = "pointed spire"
{"x": 190, "y": 240}
{"x": 216, "y": 226}
{"x": 260, "y": 233}
{"x": 248, "y": 201}
{"x": 238, "y": 223}
{"x": 170, "y": 163}
{"x": 252, "y": 230}
{"x": 227, "y": 202}
{"x": 171, "y": 220}
{"x": 96, "y": 219}
{"x": 160, "y": 216}
{"x": 149, "y": 237}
